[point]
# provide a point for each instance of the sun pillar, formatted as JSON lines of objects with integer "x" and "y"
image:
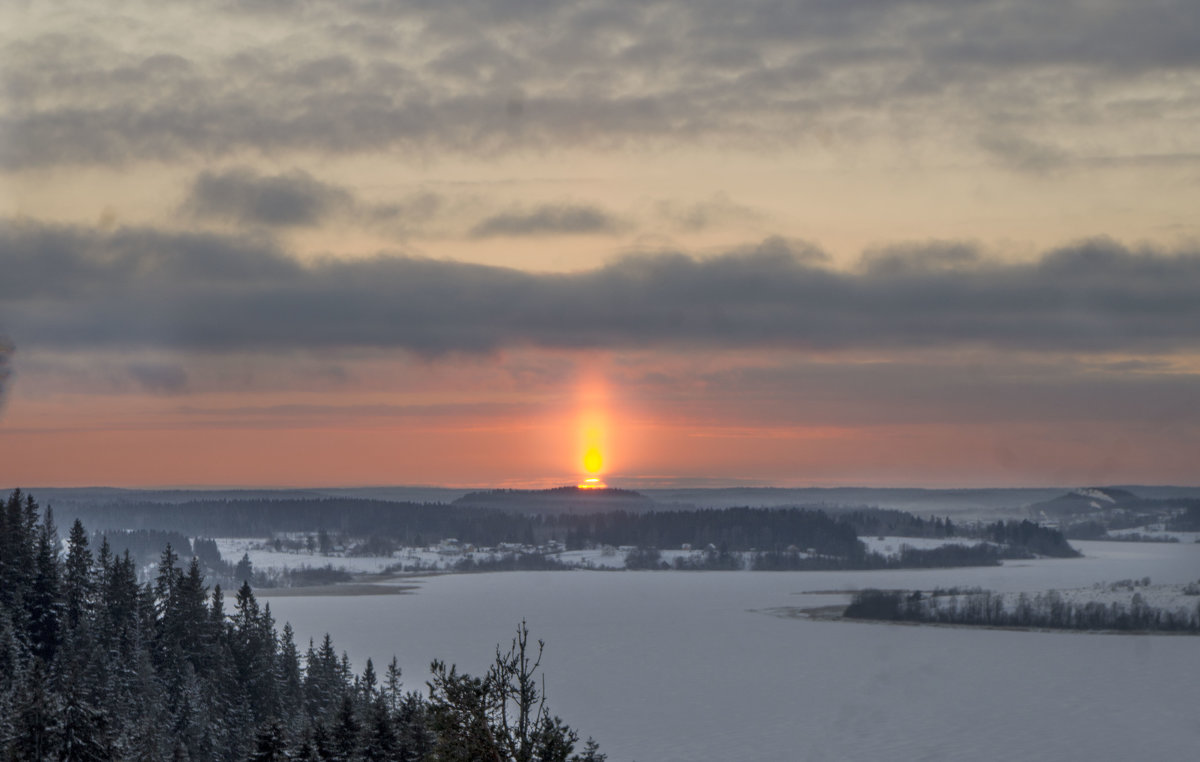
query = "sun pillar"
{"x": 593, "y": 460}
{"x": 592, "y": 426}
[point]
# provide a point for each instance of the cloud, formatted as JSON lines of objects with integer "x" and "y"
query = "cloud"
{"x": 487, "y": 79}
{"x": 412, "y": 210}
{"x": 309, "y": 413}
{"x": 716, "y": 211}
{"x": 793, "y": 391}
{"x": 113, "y": 371}
{"x": 76, "y": 287}
{"x": 898, "y": 259}
{"x": 244, "y": 196}
{"x": 158, "y": 378}
{"x": 65, "y": 262}
{"x": 561, "y": 219}
{"x": 6, "y": 350}
{"x": 1023, "y": 154}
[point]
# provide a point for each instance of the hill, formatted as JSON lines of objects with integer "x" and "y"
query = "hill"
{"x": 558, "y": 500}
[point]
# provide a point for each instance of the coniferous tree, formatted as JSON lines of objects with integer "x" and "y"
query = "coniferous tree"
{"x": 44, "y": 604}
{"x": 391, "y": 686}
{"x": 270, "y": 744}
{"x": 96, "y": 667}
{"x": 84, "y": 730}
{"x": 344, "y": 735}
{"x": 290, "y": 680}
{"x": 77, "y": 579}
{"x": 379, "y": 742}
{"x": 37, "y": 722}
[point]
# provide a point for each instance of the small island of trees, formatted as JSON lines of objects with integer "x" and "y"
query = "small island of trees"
{"x": 1049, "y": 610}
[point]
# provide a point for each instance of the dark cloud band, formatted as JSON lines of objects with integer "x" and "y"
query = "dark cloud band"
{"x": 564, "y": 219}
{"x": 242, "y": 195}
{"x": 73, "y": 287}
{"x": 6, "y": 349}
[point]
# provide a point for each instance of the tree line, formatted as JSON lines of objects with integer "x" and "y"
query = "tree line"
{"x": 1188, "y": 520}
{"x": 95, "y": 666}
{"x": 714, "y": 559}
{"x": 419, "y": 524}
{"x": 872, "y": 522}
{"x": 780, "y": 538}
{"x": 1030, "y": 537}
{"x": 145, "y": 545}
{"x": 1048, "y": 610}
{"x": 731, "y": 529}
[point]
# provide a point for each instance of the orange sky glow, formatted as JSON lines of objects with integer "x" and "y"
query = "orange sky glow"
{"x": 807, "y": 244}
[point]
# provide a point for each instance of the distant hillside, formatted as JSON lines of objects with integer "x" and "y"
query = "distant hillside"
{"x": 62, "y": 496}
{"x": 986, "y": 504}
{"x": 1087, "y": 500}
{"x": 558, "y": 500}
{"x": 1091, "y": 512}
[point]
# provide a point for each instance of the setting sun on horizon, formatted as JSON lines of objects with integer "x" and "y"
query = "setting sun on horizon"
{"x": 594, "y": 422}
{"x": 523, "y": 247}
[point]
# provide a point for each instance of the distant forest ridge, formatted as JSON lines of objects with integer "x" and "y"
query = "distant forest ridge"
{"x": 992, "y": 502}
{"x": 792, "y": 538}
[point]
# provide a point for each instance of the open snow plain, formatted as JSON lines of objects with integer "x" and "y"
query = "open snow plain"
{"x": 662, "y": 666}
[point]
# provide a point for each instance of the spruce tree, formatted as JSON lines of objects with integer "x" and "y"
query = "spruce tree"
{"x": 77, "y": 579}
{"x": 344, "y": 735}
{"x": 44, "y": 604}
{"x": 270, "y": 745}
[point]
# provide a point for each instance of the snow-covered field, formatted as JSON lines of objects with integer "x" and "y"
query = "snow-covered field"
{"x": 890, "y": 546}
{"x": 595, "y": 559}
{"x": 662, "y": 666}
{"x": 232, "y": 550}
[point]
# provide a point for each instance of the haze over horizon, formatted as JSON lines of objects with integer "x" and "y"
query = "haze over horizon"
{"x": 815, "y": 243}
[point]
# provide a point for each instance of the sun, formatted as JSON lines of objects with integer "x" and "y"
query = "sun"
{"x": 593, "y": 428}
{"x": 593, "y": 460}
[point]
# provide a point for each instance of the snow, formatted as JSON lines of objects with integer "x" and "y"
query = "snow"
{"x": 1167, "y": 597}
{"x": 445, "y": 558}
{"x": 232, "y": 550}
{"x": 596, "y": 559}
{"x": 709, "y": 666}
{"x": 890, "y": 546}
{"x": 1095, "y": 494}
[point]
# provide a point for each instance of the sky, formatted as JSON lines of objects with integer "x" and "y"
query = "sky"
{"x": 933, "y": 243}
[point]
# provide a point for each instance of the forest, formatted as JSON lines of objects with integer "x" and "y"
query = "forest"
{"x": 722, "y": 559}
{"x": 1049, "y": 610}
{"x": 420, "y": 524}
{"x": 1188, "y": 521}
{"x": 95, "y": 666}
{"x": 896, "y": 523}
{"x": 782, "y": 538}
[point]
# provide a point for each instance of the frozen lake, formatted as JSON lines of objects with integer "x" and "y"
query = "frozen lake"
{"x": 662, "y": 666}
